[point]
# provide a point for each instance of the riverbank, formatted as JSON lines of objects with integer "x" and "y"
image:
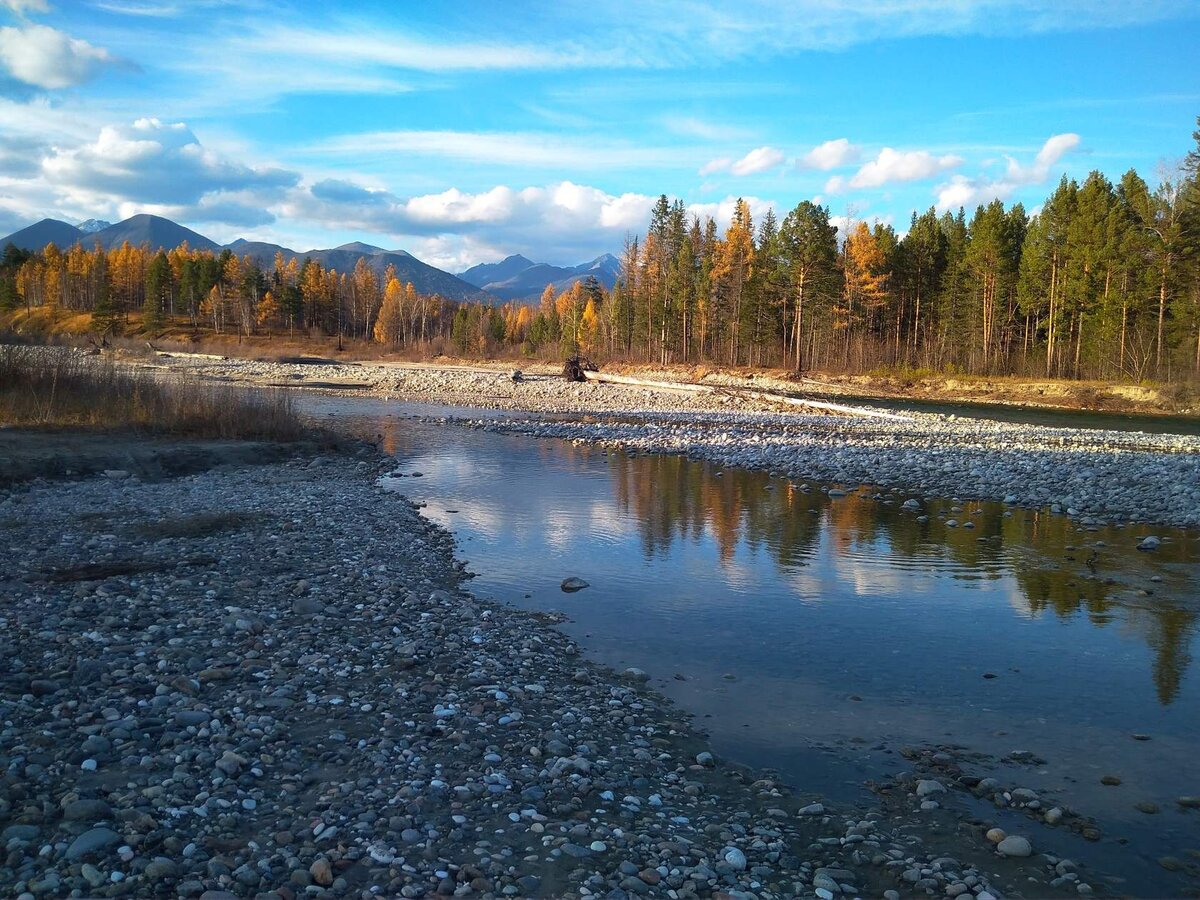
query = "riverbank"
{"x": 270, "y": 680}
{"x": 1092, "y": 474}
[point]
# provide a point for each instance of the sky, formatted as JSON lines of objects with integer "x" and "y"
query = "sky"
{"x": 465, "y": 132}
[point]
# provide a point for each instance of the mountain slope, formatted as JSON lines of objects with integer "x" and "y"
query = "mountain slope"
{"x": 91, "y": 226}
{"x": 525, "y": 280}
{"x": 491, "y": 273}
{"x": 426, "y": 279}
{"x": 47, "y": 231}
{"x": 159, "y": 233}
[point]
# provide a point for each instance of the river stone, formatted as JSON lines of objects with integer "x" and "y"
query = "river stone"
{"x": 573, "y": 584}
{"x": 735, "y": 858}
{"x": 1149, "y": 543}
{"x": 927, "y": 786}
{"x": 87, "y": 811}
{"x": 307, "y": 606}
{"x": 94, "y": 840}
{"x": 1015, "y": 845}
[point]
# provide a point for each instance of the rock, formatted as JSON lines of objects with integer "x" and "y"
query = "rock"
{"x": 1147, "y": 807}
{"x": 927, "y": 786}
{"x": 1149, "y": 543}
{"x": 20, "y": 833}
{"x": 95, "y": 840}
{"x": 1189, "y": 802}
{"x": 573, "y": 584}
{"x": 1110, "y": 780}
{"x": 735, "y": 858}
{"x": 635, "y": 674}
{"x": 813, "y": 809}
{"x": 705, "y": 759}
{"x": 321, "y": 872}
{"x": 161, "y": 868}
{"x": 307, "y": 606}
{"x": 1015, "y": 845}
{"x": 1053, "y": 816}
{"x": 1170, "y": 863}
{"x": 996, "y": 835}
{"x": 230, "y": 763}
{"x": 87, "y": 811}
{"x": 516, "y": 376}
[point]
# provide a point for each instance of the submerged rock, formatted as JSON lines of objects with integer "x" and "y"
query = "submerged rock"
{"x": 573, "y": 584}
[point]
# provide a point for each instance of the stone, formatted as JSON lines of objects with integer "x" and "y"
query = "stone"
{"x": 1149, "y": 543}
{"x": 1015, "y": 845}
{"x": 87, "y": 811}
{"x": 927, "y": 786}
{"x": 1053, "y": 816}
{"x": 573, "y": 584}
{"x": 95, "y": 840}
{"x": 735, "y": 859}
{"x": 1110, "y": 780}
{"x": 705, "y": 759}
{"x": 307, "y": 606}
{"x": 321, "y": 872}
{"x": 996, "y": 835}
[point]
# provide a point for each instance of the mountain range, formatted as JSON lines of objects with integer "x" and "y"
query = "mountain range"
{"x": 518, "y": 278}
{"x": 514, "y": 278}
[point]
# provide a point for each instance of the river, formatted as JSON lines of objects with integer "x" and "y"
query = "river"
{"x": 818, "y": 636}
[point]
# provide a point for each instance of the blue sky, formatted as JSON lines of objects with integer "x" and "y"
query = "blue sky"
{"x": 464, "y": 132}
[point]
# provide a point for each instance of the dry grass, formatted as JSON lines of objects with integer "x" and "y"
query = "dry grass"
{"x": 57, "y": 387}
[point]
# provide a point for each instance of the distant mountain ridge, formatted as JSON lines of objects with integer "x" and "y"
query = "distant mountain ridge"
{"x": 163, "y": 234}
{"x": 91, "y": 226}
{"x": 518, "y": 278}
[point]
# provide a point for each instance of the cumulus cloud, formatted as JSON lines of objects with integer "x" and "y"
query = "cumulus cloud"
{"x": 967, "y": 192}
{"x": 563, "y": 221}
{"x": 157, "y": 167}
{"x": 47, "y": 58}
{"x": 831, "y": 155}
{"x": 761, "y": 159}
{"x": 892, "y": 166}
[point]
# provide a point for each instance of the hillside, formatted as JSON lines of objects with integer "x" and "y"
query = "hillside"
{"x": 517, "y": 278}
{"x": 159, "y": 233}
{"x": 47, "y": 231}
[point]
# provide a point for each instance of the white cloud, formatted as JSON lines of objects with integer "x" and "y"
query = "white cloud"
{"x": 720, "y": 164}
{"x": 152, "y": 166}
{"x": 761, "y": 159}
{"x": 968, "y": 192}
{"x": 831, "y": 155}
{"x": 47, "y": 58}
{"x": 758, "y": 160}
{"x": 721, "y": 211}
{"x": 892, "y": 166}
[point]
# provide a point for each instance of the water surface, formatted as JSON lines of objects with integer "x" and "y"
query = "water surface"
{"x": 817, "y": 635}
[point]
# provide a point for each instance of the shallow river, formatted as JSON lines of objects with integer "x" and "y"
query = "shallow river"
{"x": 817, "y": 636}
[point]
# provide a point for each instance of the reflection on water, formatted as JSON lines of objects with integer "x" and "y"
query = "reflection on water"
{"x": 1057, "y": 568}
{"x": 815, "y": 635}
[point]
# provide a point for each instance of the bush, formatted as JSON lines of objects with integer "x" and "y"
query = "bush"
{"x": 54, "y": 386}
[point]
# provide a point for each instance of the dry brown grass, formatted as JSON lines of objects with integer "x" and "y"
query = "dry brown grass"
{"x": 59, "y": 387}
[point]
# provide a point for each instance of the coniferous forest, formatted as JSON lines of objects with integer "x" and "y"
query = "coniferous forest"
{"x": 1101, "y": 281}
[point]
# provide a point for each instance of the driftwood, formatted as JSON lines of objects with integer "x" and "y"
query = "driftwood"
{"x": 744, "y": 393}
{"x": 579, "y": 368}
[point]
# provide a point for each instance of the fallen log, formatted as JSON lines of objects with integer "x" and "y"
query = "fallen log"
{"x": 745, "y": 393}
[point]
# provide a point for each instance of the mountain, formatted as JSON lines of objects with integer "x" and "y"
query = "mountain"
{"x": 164, "y": 234}
{"x": 425, "y": 278}
{"x": 91, "y": 226}
{"x": 159, "y": 233}
{"x": 490, "y": 273}
{"x": 47, "y": 231}
{"x": 517, "y": 278}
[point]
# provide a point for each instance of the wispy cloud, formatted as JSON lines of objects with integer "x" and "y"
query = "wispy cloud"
{"x": 48, "y": 58}
{"x": 524, "y": 149}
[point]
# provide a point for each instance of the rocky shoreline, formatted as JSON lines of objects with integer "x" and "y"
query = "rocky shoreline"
{"x": 269, "y": 681}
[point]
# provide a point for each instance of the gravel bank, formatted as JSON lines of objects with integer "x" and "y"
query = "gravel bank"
{"x": 270, "y": 682}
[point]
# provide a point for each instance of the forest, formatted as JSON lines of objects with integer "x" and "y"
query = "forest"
{"x": 1101, "y": 281}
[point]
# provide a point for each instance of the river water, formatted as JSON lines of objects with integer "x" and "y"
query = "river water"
{"x": 816, "y": 636}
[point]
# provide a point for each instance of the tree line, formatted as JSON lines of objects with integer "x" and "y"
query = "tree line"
{"x": 1102, "y": 281}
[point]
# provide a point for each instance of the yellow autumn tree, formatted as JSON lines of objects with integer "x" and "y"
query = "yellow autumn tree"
{"x": 391, "y": 314}
{"x": 267, "y": 313}
{"x": 865, "y": 281}
{"x": 589, "y": 329}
